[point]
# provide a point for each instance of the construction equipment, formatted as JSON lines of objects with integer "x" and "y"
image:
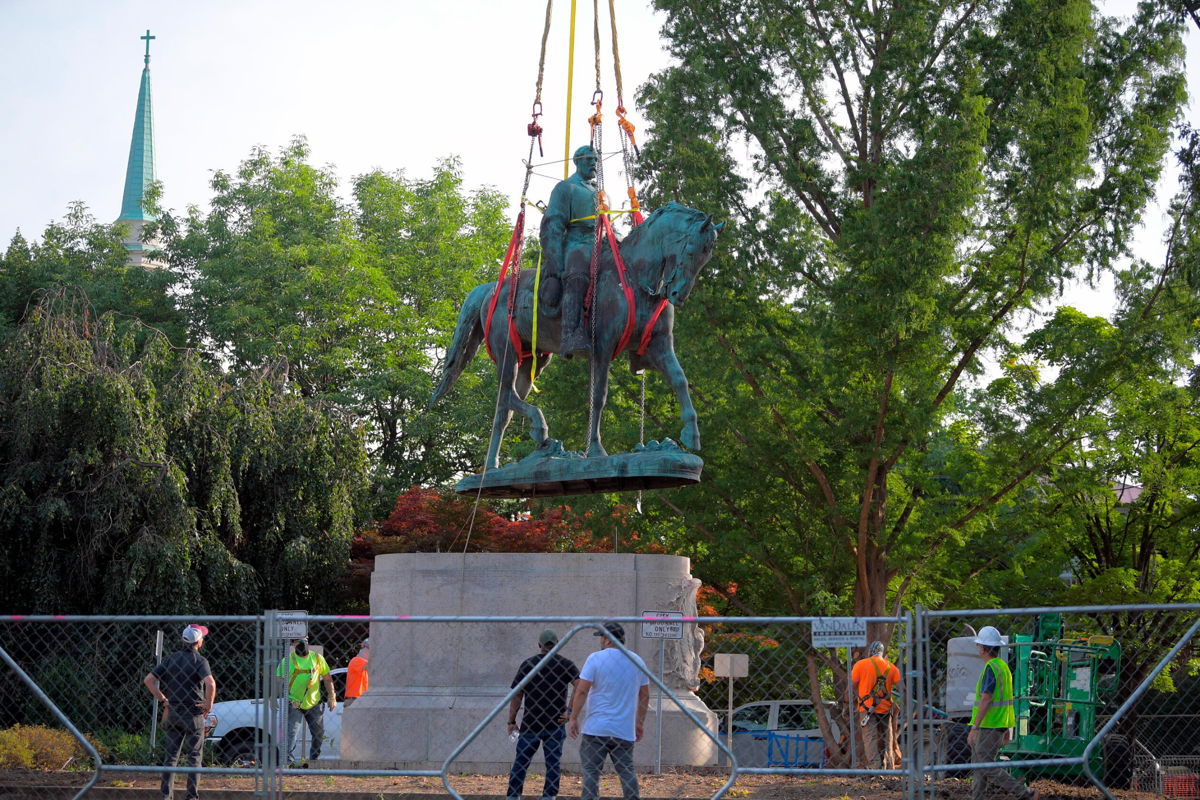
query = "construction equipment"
{"x": 1060, "y": 686}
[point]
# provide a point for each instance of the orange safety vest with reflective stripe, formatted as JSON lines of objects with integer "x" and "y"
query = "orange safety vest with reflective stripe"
{"x": 356, "y": 677}
{"x": 1000, "y": 712}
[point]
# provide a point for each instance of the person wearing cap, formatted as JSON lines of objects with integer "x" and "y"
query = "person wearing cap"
{"x": 615, "y": 691}
{"x": 871, "y": 680}
{"x": 184, "y": 684}
{"x": 357, "y": 678}
{"x": 545, "y": 700}
{"x": 303, "y": 671}
{"x": 992, "y": 720}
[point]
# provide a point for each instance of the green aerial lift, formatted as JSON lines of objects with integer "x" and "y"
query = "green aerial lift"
{"x": 1059, "y": 686}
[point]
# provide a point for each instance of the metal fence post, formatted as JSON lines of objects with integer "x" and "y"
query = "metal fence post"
{"x": 265, "y": 745}
{"x": 852, "y": 702}
{"x": 158, "y": 652}
{"x": 662, "y": 658}
{"x": 914, "y": 670}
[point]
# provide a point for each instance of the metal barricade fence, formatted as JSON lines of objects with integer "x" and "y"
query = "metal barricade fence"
{"x": 1102, "y": 696}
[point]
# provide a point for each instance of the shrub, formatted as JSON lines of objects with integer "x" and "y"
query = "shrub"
{"x": 123, "y": 747}
{"x": 15, "y": 752}
{"x": 39, "y": 747}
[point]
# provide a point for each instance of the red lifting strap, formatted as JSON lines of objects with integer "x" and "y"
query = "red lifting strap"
{"x": 626, "y": 289}
{"x": 649, "y": 329}
{"x": 513, "y": 257}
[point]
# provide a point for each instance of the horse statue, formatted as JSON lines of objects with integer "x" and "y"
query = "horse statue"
{"x": 663, "y": 257}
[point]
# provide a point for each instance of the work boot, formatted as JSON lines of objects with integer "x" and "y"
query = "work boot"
{"x": 574, "y": 334}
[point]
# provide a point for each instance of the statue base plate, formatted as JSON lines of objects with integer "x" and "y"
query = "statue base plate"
{"x": 551, "y": 471}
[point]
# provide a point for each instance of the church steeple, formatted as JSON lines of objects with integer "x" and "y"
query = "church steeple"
{"x": 139, "y": 173}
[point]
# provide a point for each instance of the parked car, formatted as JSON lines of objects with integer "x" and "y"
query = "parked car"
{"x": 778, "y": 733}
{"x": 234, "y": 723}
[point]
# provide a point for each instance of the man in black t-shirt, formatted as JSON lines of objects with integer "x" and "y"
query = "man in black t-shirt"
{"x": 184, "y": 684}
{"x": 546, "y": 705}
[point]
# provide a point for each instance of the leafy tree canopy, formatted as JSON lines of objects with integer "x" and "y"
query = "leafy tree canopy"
{"x": 136, "y": 479}
{"x": 908, "y": 187}
{"x": 359, "y": 299}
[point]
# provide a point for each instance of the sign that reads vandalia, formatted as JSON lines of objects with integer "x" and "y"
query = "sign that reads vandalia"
{"x": 839, "y": 632}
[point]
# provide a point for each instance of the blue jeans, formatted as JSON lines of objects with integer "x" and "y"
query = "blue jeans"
{"x": 527, "y": 744}
{"x": 315, "y": 718}
{"x": 592, "y": 752}
{"x": 184, "y": 732}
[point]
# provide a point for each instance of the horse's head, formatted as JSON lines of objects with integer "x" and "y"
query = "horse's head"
{"x": 676, "y": 243}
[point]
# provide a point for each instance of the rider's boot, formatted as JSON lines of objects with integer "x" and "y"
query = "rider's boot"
{"x": 574, "y": 334}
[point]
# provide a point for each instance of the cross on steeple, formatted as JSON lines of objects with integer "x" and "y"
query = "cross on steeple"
{"x": 147, "y": 37}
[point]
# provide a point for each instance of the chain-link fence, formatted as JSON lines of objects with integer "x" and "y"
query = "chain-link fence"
{"x": 464, "y": 705}
{"x": 1103, "y": 696}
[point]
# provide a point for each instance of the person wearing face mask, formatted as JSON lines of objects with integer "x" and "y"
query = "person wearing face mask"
{"x": 303, "y": 671}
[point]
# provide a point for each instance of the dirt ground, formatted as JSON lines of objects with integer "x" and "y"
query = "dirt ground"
{"x": 675, "y": 786}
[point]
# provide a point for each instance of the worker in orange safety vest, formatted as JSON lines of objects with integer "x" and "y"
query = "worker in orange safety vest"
{"x": 356, "y": 673}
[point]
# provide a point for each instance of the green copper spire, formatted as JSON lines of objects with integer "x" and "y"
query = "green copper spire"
{"x": 140, "y": 172}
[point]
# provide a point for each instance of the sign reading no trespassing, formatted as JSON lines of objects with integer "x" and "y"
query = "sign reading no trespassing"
{"x": 839, "y": 632}
{"x": 662, "y": 625}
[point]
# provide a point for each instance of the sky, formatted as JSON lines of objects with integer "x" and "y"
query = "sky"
{"x": 396, "y": 85}
{"x": 390, "y": 84}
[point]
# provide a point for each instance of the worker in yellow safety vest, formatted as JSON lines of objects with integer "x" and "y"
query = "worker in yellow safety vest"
{"x": 992, "y": 720}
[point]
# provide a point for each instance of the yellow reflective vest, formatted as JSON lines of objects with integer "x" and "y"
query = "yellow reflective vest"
{"x": 1000, "y": 710}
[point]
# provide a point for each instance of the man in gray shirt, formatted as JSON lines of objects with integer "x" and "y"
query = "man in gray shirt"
{"x": 616, "y": 692}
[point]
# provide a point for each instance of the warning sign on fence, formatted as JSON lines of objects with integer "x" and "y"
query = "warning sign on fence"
{"x": 663, "y": 625}
{"x": 839, "y": 632}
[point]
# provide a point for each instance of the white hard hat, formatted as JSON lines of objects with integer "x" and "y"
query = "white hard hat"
{"x": 988, "y": 637}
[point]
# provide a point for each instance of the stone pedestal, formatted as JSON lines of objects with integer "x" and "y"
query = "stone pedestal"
{"x": 433, "y": 684}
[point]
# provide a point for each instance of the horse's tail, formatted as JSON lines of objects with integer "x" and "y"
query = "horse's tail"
{"x": 468, "y": 335}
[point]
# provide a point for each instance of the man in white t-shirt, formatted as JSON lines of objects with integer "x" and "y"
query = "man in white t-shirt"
{"x": 616, "y": 691}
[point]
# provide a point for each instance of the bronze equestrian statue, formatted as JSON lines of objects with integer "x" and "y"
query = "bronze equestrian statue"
{"x": 663, "y": 257}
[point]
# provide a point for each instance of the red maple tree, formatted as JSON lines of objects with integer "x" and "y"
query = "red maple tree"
{"x": 428, "y": 521}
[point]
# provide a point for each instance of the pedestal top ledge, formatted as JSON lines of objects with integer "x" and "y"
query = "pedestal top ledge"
{"x": 583, "y": 562}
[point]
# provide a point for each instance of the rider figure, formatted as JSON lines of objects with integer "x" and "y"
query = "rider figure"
{"x": 567, "y": 239}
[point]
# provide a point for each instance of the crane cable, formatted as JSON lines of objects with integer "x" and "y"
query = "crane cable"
{"x": 512, "y": 257}
{"x": 601, "y": 218}
{"x": 629, "y": 148}
{"x": 535, "y": 129}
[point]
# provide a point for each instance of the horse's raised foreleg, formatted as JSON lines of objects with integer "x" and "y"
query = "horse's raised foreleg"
{"x": 599, "y": 367}
{"x": 667, "y": 363}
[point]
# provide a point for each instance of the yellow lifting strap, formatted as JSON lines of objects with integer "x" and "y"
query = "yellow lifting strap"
{"x": 570, "y": 81}
{"x": 537, "y": 282}
{"x": 610, "y": 212}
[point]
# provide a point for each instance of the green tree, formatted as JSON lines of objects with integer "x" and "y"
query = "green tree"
{"x": 1119, "y": 509}
{"x": 433, "y": 242}
{"x": 94, "y": 514}
{"x": 136, "y": 478}
{"x": 357, "y": 299}
{"x": 908, "y": 186}
{"x": 81, "y": 252}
